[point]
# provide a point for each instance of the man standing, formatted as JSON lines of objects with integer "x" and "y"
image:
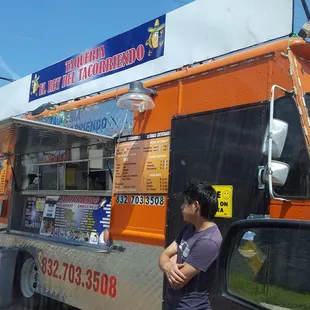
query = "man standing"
{"x": 189, "y": 261}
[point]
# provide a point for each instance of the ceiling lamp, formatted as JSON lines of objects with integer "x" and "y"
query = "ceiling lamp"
{"x": 138, "y": 98}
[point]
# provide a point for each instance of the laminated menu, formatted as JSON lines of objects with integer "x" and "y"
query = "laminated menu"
{"x": 142, "y": 164}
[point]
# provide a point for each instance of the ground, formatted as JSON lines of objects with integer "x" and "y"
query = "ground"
{"x": 38, "y": 303}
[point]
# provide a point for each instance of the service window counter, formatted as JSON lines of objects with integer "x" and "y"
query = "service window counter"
{"x": 62, "y": 183}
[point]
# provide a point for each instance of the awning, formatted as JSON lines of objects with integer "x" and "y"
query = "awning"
{"x": 22, "y": 136}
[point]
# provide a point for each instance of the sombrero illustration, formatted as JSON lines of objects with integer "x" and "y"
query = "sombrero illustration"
{"x": 157, "y": 27}
{"x": 156, "y": 33}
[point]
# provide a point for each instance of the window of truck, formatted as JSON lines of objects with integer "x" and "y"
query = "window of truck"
{"x": 62, "y": 183}
{"x": 295, "y": 151}
{"x": 307, "y": 101}
{"x": 84, "y": 168}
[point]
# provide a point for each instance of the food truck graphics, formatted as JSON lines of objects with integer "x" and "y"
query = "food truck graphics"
{"x": 91, "y": 204}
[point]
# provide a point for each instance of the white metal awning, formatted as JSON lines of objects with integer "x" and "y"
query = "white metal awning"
{"x": 22, "y": 136}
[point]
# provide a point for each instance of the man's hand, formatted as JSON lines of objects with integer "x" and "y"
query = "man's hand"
{"x": 174, "y": 274}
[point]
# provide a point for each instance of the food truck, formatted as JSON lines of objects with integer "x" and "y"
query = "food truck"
{"x": 92, "y": 173}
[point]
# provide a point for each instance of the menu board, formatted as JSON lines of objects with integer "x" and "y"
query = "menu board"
{"x": 72, "y": 218}
{"x": 142, "y": 164}
{"x": 78, "y": 218}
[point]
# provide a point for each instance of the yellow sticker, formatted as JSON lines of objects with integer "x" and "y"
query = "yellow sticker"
{"x": 225, "y": 200}
{"x": 254, "y": 255}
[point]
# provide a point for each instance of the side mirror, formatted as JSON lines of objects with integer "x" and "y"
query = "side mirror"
{"x": 279, "y": 171}
{"x": 279, "y": 129}
{"x": 264, "y": 264}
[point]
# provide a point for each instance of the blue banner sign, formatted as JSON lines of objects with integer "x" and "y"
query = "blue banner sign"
{"x": 132, "y": 48}
{"x": 104, "y": 118}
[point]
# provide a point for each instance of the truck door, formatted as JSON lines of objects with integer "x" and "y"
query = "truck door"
{"x": 222, "y": 147}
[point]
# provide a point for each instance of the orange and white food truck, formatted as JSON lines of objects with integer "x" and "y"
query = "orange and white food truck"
{"x": 91, "y": 185}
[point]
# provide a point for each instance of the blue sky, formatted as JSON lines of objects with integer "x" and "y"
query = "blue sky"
{"x": 35, "y": 34}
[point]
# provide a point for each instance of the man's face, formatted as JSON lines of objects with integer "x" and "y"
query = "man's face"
{"x": 189, "y": 211}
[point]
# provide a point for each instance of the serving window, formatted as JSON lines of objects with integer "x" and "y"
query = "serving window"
{"x": 65, "y": 194}
{"x": 56, "y": 176}
{"x": 87, "y": 168}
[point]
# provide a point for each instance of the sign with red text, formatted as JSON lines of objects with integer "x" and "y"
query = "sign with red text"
{"x": 72, "y": 274}
{"x": 182, "y": 37}
{"x": 132, "y": 48}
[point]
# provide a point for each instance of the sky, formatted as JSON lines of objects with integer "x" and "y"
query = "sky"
{"x": 35, "y": 34}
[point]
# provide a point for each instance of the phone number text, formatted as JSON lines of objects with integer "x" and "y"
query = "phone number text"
{"x": 90, "y": 279}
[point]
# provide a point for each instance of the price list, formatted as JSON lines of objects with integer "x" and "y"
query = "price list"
{"x": 142, "y": 166}
{"x": 65, "y": 218}
{"x": 87, "y": 220}
{"x": 62, "y": 216}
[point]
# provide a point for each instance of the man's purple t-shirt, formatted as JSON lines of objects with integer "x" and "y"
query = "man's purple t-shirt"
{"x": 200, "y": 250}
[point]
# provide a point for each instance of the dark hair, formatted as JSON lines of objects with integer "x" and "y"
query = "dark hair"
{"x": 205, "y": 194}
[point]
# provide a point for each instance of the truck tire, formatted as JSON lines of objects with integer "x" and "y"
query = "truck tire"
{"x": 25, "y": 282}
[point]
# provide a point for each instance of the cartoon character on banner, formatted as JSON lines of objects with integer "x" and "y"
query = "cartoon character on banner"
{"x": 156, "y": 34}
{"x": 35, "y": 85}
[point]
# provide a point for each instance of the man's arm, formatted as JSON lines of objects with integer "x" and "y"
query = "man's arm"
{"x": 189, "y": 272}
{"x": 167, "y": 264}
{"x": 173, "y": 259}
{"x": 169, "y": 252}
{"x": 201, "y": 256}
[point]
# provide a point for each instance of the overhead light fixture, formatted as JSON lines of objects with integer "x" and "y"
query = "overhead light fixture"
{"x": 138, "y": 98}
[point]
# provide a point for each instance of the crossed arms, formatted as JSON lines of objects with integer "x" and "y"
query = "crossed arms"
{"x": 178, "y": 275}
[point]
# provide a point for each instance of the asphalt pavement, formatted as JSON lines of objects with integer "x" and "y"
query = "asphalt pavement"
{"x": 38, "y": 303}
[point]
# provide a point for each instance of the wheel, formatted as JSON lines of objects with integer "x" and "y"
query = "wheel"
{"x": 28, "y": 277}
{"x": 25, "y": 282}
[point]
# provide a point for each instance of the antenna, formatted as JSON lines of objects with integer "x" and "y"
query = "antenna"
{"x": 306, "y": 9}
{"x": 6, "y": 79}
